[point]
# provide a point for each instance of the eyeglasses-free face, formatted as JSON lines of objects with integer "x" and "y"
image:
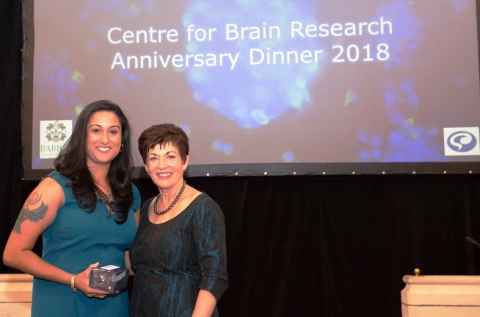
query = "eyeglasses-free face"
{"x": 104, "y": 138}
{"x": 165, "y": 166}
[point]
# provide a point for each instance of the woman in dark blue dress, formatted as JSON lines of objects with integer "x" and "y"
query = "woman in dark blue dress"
{"x": 179, "y": 254}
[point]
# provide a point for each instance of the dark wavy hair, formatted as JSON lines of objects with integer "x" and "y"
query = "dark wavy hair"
{"x": 72, "y": 163}
{"x": 163, "y": 134}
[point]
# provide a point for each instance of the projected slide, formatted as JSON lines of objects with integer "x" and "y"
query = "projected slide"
{"x": 304, "y": 81}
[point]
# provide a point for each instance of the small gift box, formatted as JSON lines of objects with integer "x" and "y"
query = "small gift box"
{"x": 109, "y": 278}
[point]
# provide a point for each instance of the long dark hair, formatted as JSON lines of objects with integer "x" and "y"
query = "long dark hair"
{"x": 72, "y": 163}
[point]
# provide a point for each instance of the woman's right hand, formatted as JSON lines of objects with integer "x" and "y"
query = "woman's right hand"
{"x": 82, "y": 283}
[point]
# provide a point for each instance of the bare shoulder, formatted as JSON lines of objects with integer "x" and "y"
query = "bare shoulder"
{"x": 40, "y": 207}
{"x": 48, "y": 190}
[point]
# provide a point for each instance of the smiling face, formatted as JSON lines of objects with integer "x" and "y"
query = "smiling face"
{"x": 165, "y": 166}
{"x": 104, "y": 138}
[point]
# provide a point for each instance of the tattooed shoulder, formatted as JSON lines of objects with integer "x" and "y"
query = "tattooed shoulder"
{"x": 33, "y": 210}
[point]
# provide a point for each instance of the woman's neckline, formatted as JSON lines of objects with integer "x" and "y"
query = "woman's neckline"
{"x": 177, "y": 215}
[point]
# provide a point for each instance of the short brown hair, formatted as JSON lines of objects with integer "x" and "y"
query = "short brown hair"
{"x": 162, "y": 134}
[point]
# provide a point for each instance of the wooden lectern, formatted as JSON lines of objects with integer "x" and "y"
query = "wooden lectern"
{"x": 15, "y": 295}
{"x": 441, "y": 296}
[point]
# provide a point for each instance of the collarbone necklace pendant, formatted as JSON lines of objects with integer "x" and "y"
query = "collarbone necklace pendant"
{"x": 106, "y": 198}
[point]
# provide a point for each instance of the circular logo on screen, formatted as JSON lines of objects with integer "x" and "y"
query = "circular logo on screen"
{"x": 56, "y": 132}
{"x": 462, "y": 141}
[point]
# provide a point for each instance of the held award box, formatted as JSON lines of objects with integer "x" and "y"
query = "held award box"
{"x": 110, "y": 278}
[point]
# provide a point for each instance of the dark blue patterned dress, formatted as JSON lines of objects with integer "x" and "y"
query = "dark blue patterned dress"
{"x": 175, "y": 259}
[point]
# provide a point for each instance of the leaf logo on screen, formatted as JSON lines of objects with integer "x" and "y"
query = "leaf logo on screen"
{"x": 461, "y": 141}
{"x": 56, "y": 132}
{"x": 53, "y": 135}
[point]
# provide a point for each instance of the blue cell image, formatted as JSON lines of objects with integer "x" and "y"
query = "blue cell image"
{"x": 406, "y": 34}
{"x": 124, "y": 78}
{"x": 461, "y": 5}
{"x": 252, "y": 88}
{"x": 59, "y": 77}
{"x": 288, "y": 157}
{"x": 406, "y": 140}
{"x": 222, "y": 147}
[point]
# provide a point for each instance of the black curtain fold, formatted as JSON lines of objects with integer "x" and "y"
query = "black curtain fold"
{"x": 10, "y": 104}
{"x": 321, "y": 246}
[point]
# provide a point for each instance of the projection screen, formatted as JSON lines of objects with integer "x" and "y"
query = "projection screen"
{"x": 264, "y": 87}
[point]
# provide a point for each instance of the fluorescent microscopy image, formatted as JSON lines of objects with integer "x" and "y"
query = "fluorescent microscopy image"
{"x": 407, "y": 35}
{"x": 60, "y": 78}
{"x": 251, "y": 95}
{"x": 222, "y": 147}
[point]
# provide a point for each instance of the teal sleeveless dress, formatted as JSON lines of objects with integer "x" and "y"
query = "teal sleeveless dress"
{"x": 72, "y": 242}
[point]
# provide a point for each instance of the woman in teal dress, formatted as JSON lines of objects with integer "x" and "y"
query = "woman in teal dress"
{"x": 179, "y": 253}
{"x": 84, "y": 211}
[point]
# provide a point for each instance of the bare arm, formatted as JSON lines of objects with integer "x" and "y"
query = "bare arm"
{"x": 37, "y": 213}
{"x": 205, "y": 304}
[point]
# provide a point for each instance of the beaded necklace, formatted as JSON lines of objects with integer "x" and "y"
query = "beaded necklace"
{"x": 172, "y": 204}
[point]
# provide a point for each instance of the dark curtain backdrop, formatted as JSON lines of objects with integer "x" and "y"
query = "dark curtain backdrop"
{"x": 297, "y": 245}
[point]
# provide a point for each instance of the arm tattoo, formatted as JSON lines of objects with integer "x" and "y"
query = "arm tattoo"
{"x": 29, "y": 212}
